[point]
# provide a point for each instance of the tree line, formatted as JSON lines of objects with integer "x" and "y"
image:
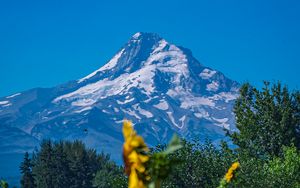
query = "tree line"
{"x": 266, "y": 144}
{"x": 68, "y": 164}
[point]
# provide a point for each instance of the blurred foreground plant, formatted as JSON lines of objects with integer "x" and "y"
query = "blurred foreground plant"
{"x": 143, "y": 168}
{"x": 231, "y": 173}
{"x": 3, "y": 184}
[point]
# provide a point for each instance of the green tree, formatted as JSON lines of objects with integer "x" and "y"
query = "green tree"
{"x": 110, "y": 175}
{"x": 43, "y": 168}
{"x": 26, "y": 171}
{"x": 201, "y": 165}
{"x": 71, "y": 164}
{"x": 79, "y": 164}
{"x": 266, "y": 120}
{"x": 277, "y": 172}
{"x": 61, "y": 169}
{"x": 285, "y": 171}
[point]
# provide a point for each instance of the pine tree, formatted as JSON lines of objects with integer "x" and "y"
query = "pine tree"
{"x": 61, "y": 169}
{"x": 43, "y": 170}
{"x": 26, "y": 171}
{"x": 81, "y": 174}
{"x": 69, "y": 164}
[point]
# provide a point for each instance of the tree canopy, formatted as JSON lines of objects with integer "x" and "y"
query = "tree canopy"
{"x": 267, "y": 151}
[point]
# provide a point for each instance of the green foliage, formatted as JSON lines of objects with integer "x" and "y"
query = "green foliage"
{"x": 267, "y": 149}
{"x": 202, "y": 165}
{"x": 277, "y": 172}
{"x": 250, "y": 173}
{"x": 268, "y": 137}
{"x": 26, "y": 171}
{"x": 284, "y": 172}
{"x": 161, "y": 165}
{"x": 61, "y": 177}
{"x": 3, "y": 184}
{"x": 82, "y": 164}
{"x": 43, "y": 166}
{"x": 110, "y": 175}
{"x": 267, "y": 120}
{"x": 69, "y": 164}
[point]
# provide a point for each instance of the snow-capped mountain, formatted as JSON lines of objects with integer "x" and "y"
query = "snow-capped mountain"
{"x": 161, "y": 87}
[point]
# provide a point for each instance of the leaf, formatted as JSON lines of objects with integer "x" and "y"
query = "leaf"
{"x": 174, "y": 145}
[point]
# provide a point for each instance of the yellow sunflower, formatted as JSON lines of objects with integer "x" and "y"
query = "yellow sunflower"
{"x": 134, "y": 155}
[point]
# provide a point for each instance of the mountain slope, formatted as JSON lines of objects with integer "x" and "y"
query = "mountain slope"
{"x": 161, "y": 87}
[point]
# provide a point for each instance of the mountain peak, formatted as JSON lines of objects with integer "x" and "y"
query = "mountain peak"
{"x": 161, "y": 87}
{"x": 146, "y": 36}
{"x": 130, "y": 57}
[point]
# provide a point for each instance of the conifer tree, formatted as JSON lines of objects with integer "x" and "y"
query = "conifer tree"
{"x": 61, "y": 169}
{"x": 82, "y": 173}
{"x": 43, "y": 169}
{"x": 26, "y": 171}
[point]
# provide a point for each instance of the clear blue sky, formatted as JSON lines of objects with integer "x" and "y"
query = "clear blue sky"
{"x": 44, "y": 43}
